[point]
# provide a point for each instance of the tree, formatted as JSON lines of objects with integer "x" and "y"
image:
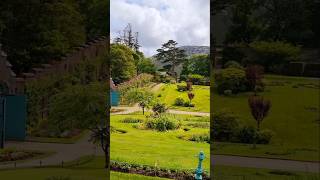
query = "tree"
{"x": 197, "y": 64}
{"x": 190, "y": 96}
{"x": 122, "y": 63}
{"x": 245, "y": 27}
{"x": 35, "y": 32}
{"x": 83, "y": 107}
{"x": 259, "y": 108}
{"x": 170, "y": 55}
{"x": 146, "y": 66}
{"x": 254, "y": 75}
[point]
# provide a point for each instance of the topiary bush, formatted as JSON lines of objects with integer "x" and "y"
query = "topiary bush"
{"x": 231, "y": 79}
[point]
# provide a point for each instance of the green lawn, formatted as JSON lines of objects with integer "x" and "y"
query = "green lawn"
{"x": 238, "y": 173}
{"x": 93, "y": 170}
{"x": 163, "y": 149}
{"x": 294, "y": 117}
{"x": 201, "y": 99}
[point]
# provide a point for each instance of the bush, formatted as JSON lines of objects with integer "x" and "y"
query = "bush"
{"x": 188, "y": 104}
{"x": 227, "y": 92}
{"x": 131, "y": 120}
{"x": 231, "y": 79}
{"x": 233, "y": 64}
{"x": 196, "y": 78}
{"x": 205, "y": 137}
{"x": 159, "y": 108}
{"x": 225, "y": 126}
{"x": 179, "y": 101}
{"x": 181, "y": 88}
{"x": 264, "y": 136}
{"x": 272, "y": 55}
{"x": 247, "y": 134}
{"x": 162, "y": 123}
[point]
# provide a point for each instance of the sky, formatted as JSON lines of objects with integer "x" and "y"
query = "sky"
{"x": 157, "y": 21}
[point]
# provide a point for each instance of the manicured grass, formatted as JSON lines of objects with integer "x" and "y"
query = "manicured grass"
{"x": 238, "y": 173}
{"x": 58, "y": 140}
{"x": 201, "y": 99}
{"x": 162, "y": 149}
{"x": 294, "y": 117}
{"x": 92, "y": 170}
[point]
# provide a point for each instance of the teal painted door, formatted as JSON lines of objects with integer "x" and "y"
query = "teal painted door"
{"x": 14, "y": 117}
{"x": 114, "y": 96}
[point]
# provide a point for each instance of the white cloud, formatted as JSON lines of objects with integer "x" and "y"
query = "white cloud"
{"x": 157, "y": 21}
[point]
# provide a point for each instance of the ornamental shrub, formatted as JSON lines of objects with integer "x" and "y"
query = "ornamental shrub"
{"x": 196, "y": 78}
{"x": 233, "y": 64}
{"x": 225, "y": 126}
{"x": 179, "y": 101}
{"x": 231, "y": 79}
{"x": 162, "y": 123}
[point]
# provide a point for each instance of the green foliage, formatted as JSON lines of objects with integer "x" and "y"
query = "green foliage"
{"x": 197, "y": 64}
{"x": 233, "y": 64}
{"x": 36, "y": 32}
{"x": 162, "y": 123}
{"x": 196, "y": 78}
{"x": 231, "y": 79}
{"x": 122, "y": 63}
{"x": 179, "y": 101}
{"x": 225, "y": 126}
{"x": 132, "y": 120}
{"x": 249, "y": 134}
{"x": 78, "y": 106}
{"x": 159, "y": 108}
{"x": 170, "y": 54}
{"x": 146, "y": 66}
{"x": 136, "y": 95}
{"x": 274, "y": 55}
{"x": 96, "y": 17}
{"x": 39, "y": 93}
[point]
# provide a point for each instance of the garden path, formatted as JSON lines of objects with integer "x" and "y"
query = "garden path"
{"x": 70, "y": 152}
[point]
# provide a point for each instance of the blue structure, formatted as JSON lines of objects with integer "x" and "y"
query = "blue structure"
{"x": 114, "y": 96}
{"x": 199, "y": 170}
{"x": 13, "y": 117}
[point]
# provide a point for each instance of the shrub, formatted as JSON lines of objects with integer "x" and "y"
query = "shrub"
{"x": 227, "y": 92}
{"x": 231, "y": 79}
{"x": 274, "y": 53}
{"x": 233, "y": 64}
{"x": 181, "y": 88}
{"x": 188, "y": 104}
{"x": 179, "y": 101}
{"x": 195, "y": 78}
{"x": 247, "y": 134}
{"x": 264, "y": 136}
{"x": 162, "y": 123}
{"x": 159, "y": 108}
{"x": 205, "y": 137}
{"x": 131, "y": 120}
{"x": 225, "y": 126}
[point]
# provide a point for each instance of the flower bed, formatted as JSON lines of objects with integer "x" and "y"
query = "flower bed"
{"x": 15, "y": 155}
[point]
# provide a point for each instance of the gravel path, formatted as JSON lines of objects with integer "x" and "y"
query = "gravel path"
{"x": 63, "y": 152}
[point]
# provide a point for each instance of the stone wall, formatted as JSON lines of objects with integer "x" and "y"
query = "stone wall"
{"x": 16, "y": 83}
